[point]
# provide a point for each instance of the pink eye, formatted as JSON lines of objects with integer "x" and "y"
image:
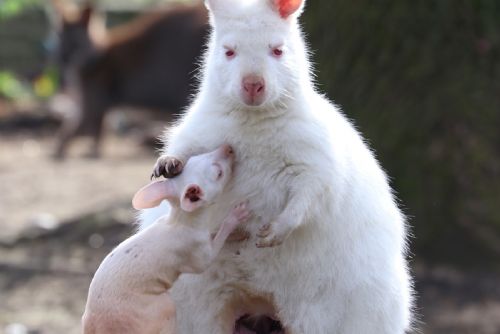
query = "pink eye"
{"x": 230, "y": 53}
{"x": 277, "y": 52}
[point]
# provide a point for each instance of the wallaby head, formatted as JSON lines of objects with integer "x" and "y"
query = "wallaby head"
{"x": 73, "y": 28}
{"x": 256, "y": 58}
{"x": 202, "y": 180}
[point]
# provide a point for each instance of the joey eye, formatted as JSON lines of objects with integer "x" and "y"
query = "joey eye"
{"x": 277, "y": 52}
{"x": 230, "y": 53}
{"x": 216, "y": 172}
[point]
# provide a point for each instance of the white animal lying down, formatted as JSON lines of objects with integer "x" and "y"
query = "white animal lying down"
{"x": 129, "y": 291}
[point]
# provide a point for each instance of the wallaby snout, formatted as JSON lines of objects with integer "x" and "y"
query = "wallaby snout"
{"x": 253, "y": 90}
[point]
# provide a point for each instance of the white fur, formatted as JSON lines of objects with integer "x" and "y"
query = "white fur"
{"x": 304, "y": 168}
{"x": 149, "y": 216}
{"x": 128, "y": 293}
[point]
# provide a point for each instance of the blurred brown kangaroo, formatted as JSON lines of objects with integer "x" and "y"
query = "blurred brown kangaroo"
{"x": 149, "y": 63}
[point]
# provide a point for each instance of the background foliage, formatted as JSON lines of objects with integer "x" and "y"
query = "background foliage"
{"x": 421, "y": 80}
{"x": 10, "y": 8}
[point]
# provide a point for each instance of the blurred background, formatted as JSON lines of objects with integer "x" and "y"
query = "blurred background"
{"x": 419, "y": 79}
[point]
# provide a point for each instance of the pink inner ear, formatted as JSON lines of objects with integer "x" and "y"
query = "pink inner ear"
{"x": 152, "y": 194}
{"x": 287, "y": 7}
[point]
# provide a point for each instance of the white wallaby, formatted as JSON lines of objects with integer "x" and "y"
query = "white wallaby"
{"x": 326, "y": 247}
{"x": 129, "y": 292}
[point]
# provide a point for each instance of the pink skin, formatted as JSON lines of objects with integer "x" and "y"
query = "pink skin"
{"x": 253, "y": 90}
{"x": 129, "y": 292}
{"x": 287, "y": 7}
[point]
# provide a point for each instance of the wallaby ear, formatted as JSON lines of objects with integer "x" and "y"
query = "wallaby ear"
{"x": 153, "y": 194}
{"x": 192, "y": 198}
{"x": 287, "y": 7}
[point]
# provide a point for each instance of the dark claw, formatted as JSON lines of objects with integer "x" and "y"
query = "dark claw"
{"x": 167, "y": 167}
{"x": 162, "y": 172}
{"x": 171, "y": 169}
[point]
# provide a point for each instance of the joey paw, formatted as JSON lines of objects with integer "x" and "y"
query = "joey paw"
{"x": 241, "y": 213}
{"x": 167, "y": 167}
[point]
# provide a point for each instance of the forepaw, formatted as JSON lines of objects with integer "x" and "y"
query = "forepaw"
{"x": 167, "y": 167}
{"x": 272, "y": 234}
{"x": 240, "y": 213}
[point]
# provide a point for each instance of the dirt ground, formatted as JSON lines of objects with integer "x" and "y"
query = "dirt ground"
{"x": 59, "y": 219}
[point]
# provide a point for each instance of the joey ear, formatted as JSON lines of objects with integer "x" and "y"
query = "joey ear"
{"x": 192, "y": 198}
{"x": 287, "y": 7}
{"x": 152, "y": 194}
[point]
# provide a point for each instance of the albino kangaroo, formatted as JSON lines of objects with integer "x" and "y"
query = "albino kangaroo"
{"x": 129, "y": 291}
{"x": 326, "y": 252}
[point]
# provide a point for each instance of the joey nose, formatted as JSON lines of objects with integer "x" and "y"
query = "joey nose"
{"x": 253, "y": 89}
